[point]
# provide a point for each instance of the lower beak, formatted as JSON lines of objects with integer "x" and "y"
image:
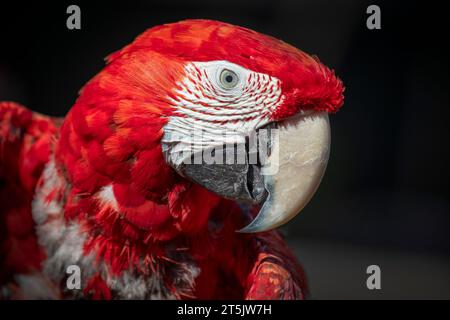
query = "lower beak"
{"x": 294, "y": 169}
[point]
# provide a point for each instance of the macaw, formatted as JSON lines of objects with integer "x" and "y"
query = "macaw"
{"x": 110, "y": 188}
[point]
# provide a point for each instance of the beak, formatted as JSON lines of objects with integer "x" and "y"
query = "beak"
{"x": 295, "y": 168}
{"x": 283, "y": 181}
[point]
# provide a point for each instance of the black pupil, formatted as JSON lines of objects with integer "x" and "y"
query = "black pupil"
{"x": 229, "y": 78}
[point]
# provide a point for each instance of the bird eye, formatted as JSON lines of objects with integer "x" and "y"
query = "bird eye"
{"x": 228, "y": 79}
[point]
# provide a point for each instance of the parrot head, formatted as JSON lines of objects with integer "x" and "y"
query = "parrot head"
{"x": 238, "y": 113}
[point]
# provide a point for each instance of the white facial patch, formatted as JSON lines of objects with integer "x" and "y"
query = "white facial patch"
{"x": 221, "y": 101}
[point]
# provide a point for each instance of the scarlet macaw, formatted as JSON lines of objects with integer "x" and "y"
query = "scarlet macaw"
{"x": 108, "y": 189}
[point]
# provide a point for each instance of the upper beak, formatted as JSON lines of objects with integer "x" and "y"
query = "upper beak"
{"x": 295, "y": 168}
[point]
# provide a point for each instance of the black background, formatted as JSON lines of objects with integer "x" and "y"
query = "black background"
{"x": 384, "y": 198}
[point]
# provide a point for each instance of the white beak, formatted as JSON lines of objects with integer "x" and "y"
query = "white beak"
{"x": 297, "y": 163}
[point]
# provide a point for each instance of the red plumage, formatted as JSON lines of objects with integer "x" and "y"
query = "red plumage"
{"x": 25, "y": 142}
{"x": 157, "y": 224}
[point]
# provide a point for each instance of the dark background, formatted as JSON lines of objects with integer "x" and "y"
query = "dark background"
{"x": 384, "y": 199}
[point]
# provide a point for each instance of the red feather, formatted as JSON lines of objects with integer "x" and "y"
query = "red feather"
{"x": 25, "y": 142}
